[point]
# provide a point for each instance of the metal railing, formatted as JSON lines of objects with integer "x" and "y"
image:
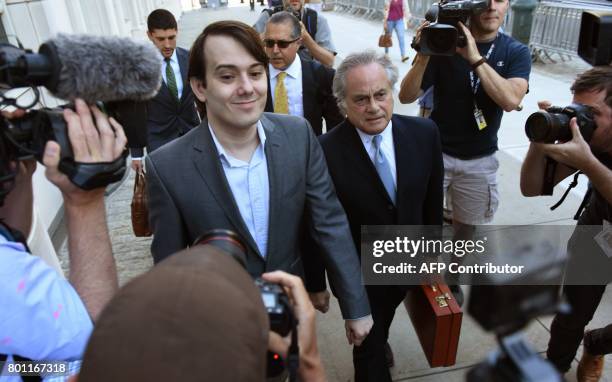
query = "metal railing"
{"x": 554, "y": 30}
{"x": 369, "y": 9}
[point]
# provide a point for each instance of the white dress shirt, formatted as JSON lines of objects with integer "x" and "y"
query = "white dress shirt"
{"x": 177, "y": 72}
{"x": 386, "y": 146}
{"x": 250, "y": 187}
{"x": 293, "y": 84}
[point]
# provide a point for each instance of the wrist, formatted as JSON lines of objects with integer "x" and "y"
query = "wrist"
{"x": 477, "y": 61}
{"x": 80, "y": 200}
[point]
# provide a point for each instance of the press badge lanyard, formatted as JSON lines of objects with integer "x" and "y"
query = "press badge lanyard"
{"x": 478, "y": 115}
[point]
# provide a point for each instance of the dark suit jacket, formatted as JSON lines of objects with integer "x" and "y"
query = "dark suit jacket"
{"x": 168, "y": 119}
{"x": 419, "y": 167}
{"x": 189, "y": 195}
{"x": 317, "y": 97}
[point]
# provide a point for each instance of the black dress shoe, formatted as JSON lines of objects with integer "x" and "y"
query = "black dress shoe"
{"x": 389, "y": 356}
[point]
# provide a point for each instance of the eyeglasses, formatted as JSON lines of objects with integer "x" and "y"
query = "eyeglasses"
{"x": 282, "y": 44}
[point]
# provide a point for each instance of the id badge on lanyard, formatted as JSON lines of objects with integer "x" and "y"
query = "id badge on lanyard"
{"x": 481, "y": 122}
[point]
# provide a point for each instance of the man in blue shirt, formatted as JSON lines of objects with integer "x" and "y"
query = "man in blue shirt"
{"x": 43, "y": 315}
{"x": 472, "y": 90}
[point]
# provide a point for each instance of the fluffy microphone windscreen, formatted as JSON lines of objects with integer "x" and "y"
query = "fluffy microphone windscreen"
{"x": 99, "y": 68}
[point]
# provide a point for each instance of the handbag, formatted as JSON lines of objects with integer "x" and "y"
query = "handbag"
{"x": 385, "y": 40}
{"x": 436, "y": 318}
{"x": 140, "y": 212}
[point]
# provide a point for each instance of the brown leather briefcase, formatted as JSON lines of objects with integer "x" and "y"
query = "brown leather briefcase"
{"x": 436, "y": 318}
{"x": 140, "y": 212}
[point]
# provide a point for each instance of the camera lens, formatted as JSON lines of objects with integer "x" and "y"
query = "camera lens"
{"x": 545, "y": 127}
{"x": 227, "y": 241}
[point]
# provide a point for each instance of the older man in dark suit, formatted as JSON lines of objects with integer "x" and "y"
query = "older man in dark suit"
{"x": 297, "y": 86}
{"x": 387, "y": 170}
{"x": 171, "y": 113}
{"x": 258, "y": 174}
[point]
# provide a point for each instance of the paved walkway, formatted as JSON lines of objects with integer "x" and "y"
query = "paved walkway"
{"x": 353, "y": 34}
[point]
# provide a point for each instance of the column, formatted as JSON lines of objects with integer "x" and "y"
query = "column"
{"x": 58, "y": 17}
{"x": 76, "y": 16}
{"x": 111, "y": 16}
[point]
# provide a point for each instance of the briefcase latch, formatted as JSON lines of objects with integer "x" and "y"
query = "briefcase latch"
{"x": 441, "y": 300}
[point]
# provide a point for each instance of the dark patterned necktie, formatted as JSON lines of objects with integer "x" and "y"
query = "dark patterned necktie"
{"x": 171, "y": 80}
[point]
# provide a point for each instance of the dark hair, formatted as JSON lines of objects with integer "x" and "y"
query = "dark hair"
{"x": 286, "y": 17}
{"x": 242, "y": 33}
{"x": 595, "y": 80}
{"x": 161, "y": 19}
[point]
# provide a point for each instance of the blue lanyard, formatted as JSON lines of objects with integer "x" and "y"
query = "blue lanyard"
{"x": 473, "y": 85}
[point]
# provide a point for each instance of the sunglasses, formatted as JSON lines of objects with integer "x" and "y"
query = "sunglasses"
{"x": 282, "y": 44}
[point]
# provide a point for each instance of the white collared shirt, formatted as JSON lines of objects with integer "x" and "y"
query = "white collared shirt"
{"x": 250, "y": 186}
{"x": 293, "y": 84}
{"x": 386, "y": 146}
{"x": 177, "y": 72}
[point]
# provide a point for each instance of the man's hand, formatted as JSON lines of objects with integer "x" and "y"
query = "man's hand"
{"x": 91, "y": 143}
{"x": 320, "y": 300}
{"x": 544, "y": 104}
{"x": 417, "y": 33}
{"x": 575, "y": 153}
{"x": 358, "y": 330}
{"x": 470, "y": 51}
{"x": 310, "y": 368}
{"x": 137, "y": 165}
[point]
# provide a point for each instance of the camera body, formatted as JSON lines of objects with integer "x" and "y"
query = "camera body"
{"x": 278, "y": 6}
{"x": 552, "y": 125}
{"x": 443, "y": 36}
{"x": 277, "y": 305}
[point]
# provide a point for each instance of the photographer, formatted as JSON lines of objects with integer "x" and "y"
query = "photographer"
{"x": 472, "y": 90}
{"x": 316, "y": 34}
{"x": 594, "y": 90}
{"x": 44, "y": 316}
{"x": 209, "y": 324}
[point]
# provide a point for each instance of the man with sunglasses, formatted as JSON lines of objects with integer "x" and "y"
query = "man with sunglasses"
{"x": 316, "y": 42}
{"x": 297, "y": 86}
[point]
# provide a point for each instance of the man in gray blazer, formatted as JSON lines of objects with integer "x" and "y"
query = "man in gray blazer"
{"x": 258, "y": 174}
{"x": 171, "y": 113}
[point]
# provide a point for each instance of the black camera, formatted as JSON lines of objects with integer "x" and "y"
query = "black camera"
{"x": 275, "y": 300}
{"x": 443, "y": 36}
{"x": 552, "y": 125}
{"x": 276, "y": 6}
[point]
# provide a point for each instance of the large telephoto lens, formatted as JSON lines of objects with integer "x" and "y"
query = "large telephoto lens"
{"x": 545, "y": 127}
{"x": 227, "y": 241}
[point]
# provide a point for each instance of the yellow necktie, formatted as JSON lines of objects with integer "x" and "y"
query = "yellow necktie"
{"x": 281, "y": 101}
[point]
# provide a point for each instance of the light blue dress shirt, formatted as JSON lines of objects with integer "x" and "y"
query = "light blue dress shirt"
{"x": 250, "y": 187}
{"x": 41, "y": 315}
{"x": 177, "y": 72}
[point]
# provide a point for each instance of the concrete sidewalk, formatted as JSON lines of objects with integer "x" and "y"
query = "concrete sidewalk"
{"x": 354, "y": 34}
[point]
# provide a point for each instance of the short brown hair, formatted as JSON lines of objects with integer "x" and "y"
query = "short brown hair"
{"x": 595, "y": 80}
{"x": 244, "y": 34}
{"x": 161, "y": 19}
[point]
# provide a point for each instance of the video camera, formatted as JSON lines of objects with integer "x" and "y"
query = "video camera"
{"x": 515, "y": 360}
{"x": 443, "y": 36}
{"x": 275, "y": 300}
{"x": 75, "y": 66}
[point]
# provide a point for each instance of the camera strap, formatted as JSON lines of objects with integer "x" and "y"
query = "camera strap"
{"x": 293, "y": 356}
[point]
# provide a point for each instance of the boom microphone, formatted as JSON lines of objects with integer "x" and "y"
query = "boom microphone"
{"x": 90, "y": 67}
